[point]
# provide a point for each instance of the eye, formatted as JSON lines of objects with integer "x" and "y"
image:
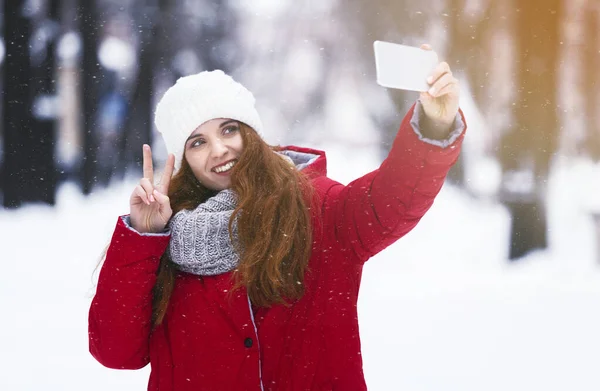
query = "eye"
{"x": 230, "y": 129}
{"x": 196, "y": 143}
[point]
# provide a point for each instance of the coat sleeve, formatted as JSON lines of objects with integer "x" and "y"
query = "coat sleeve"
{"x": 120, "y": 314}
{"x": 374, "y": 211}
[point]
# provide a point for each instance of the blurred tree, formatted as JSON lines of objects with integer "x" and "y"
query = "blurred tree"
{"x": 468, "y": 36}
{"x": 591, "y": 78}
{"x": 526, "y": 150}
{"x": 111, "y": 114}
{"x": 139, "y": 119}
{"x": 16, "y": 101}
{"x": 22, "y": 172}
{"x": 468, "y": 41}
{"x": 90, "y": 24}
{"x": 45, "y": 103}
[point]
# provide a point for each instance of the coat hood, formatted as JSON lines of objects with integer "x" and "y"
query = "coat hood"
{"x": 312, "y": 161}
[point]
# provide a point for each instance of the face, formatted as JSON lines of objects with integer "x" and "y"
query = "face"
{"x": 212, "y": 150}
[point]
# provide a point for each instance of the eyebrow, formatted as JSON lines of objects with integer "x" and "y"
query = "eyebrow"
{"x": 229, "y": 121}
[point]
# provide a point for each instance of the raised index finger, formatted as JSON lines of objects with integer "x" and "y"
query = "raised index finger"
{"x": 147, "y": 163}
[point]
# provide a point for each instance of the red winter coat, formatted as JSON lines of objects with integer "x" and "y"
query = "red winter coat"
{"x": 208, "y": 342}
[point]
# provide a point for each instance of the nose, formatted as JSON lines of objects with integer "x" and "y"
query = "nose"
{"x": 219, "y": 149}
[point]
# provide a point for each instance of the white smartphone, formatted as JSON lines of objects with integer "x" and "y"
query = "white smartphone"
{"x": 403, "y": 67}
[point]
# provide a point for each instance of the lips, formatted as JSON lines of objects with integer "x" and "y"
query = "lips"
{"x": 225, "y": 167}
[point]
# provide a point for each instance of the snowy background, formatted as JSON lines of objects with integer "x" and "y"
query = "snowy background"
{"x": 442, "y": 309}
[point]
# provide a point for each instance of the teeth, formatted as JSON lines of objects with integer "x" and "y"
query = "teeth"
{"x": 226, "y": 167}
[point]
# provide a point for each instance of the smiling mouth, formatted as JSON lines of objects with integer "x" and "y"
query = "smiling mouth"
{"x": 225, "y": 167}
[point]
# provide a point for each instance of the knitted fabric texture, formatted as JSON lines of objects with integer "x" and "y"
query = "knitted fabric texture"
{"x": 200, "y": 242}
{"x": 196, "y": 99}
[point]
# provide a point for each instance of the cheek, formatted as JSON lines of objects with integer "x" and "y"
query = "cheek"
{"x": 199, "y": 173}
{"x": 196, "y": 160}
{"x": 239, "y": 143}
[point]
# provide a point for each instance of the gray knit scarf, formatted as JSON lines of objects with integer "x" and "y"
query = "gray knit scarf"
{"x": 200, "y": 242}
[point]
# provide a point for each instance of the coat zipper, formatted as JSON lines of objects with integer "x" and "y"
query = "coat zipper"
{"x": 257, "y": 343}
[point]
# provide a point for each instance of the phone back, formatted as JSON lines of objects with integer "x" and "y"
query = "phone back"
{"x": 403, "y": 67}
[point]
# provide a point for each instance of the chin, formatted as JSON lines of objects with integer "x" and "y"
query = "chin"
{"x": 220, "y": 187}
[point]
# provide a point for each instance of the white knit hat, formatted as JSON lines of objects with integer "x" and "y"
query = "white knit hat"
{"x": 198, "y": 98}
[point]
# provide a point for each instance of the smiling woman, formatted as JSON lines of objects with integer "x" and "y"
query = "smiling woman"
{"x": 241, "y": 269}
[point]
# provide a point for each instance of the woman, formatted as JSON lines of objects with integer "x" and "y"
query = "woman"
{"x": 242, "y": 272}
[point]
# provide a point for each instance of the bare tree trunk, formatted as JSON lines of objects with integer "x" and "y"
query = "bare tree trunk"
{"x": 591, "y": 80}
{"x": 45, "y": 110}
{"x": 139, "y": 121}
{"x": 90, "y": 86}
{"x": 469, "y": 38}
{"x": 528, "y": 147}
{"x": 19, "y": 178}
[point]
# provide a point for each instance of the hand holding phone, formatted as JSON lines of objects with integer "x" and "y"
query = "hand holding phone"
{"x": 418, "y": 69}
{"x": 403, "y": 67}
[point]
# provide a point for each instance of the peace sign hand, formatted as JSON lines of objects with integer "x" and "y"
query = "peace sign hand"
{"x": 150, "y": 209}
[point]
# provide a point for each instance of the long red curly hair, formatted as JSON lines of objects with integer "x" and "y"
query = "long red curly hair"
{"x": 273, "y": 222}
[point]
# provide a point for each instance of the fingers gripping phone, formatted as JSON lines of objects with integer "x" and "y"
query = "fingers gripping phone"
{"x": 403, "y": 67}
